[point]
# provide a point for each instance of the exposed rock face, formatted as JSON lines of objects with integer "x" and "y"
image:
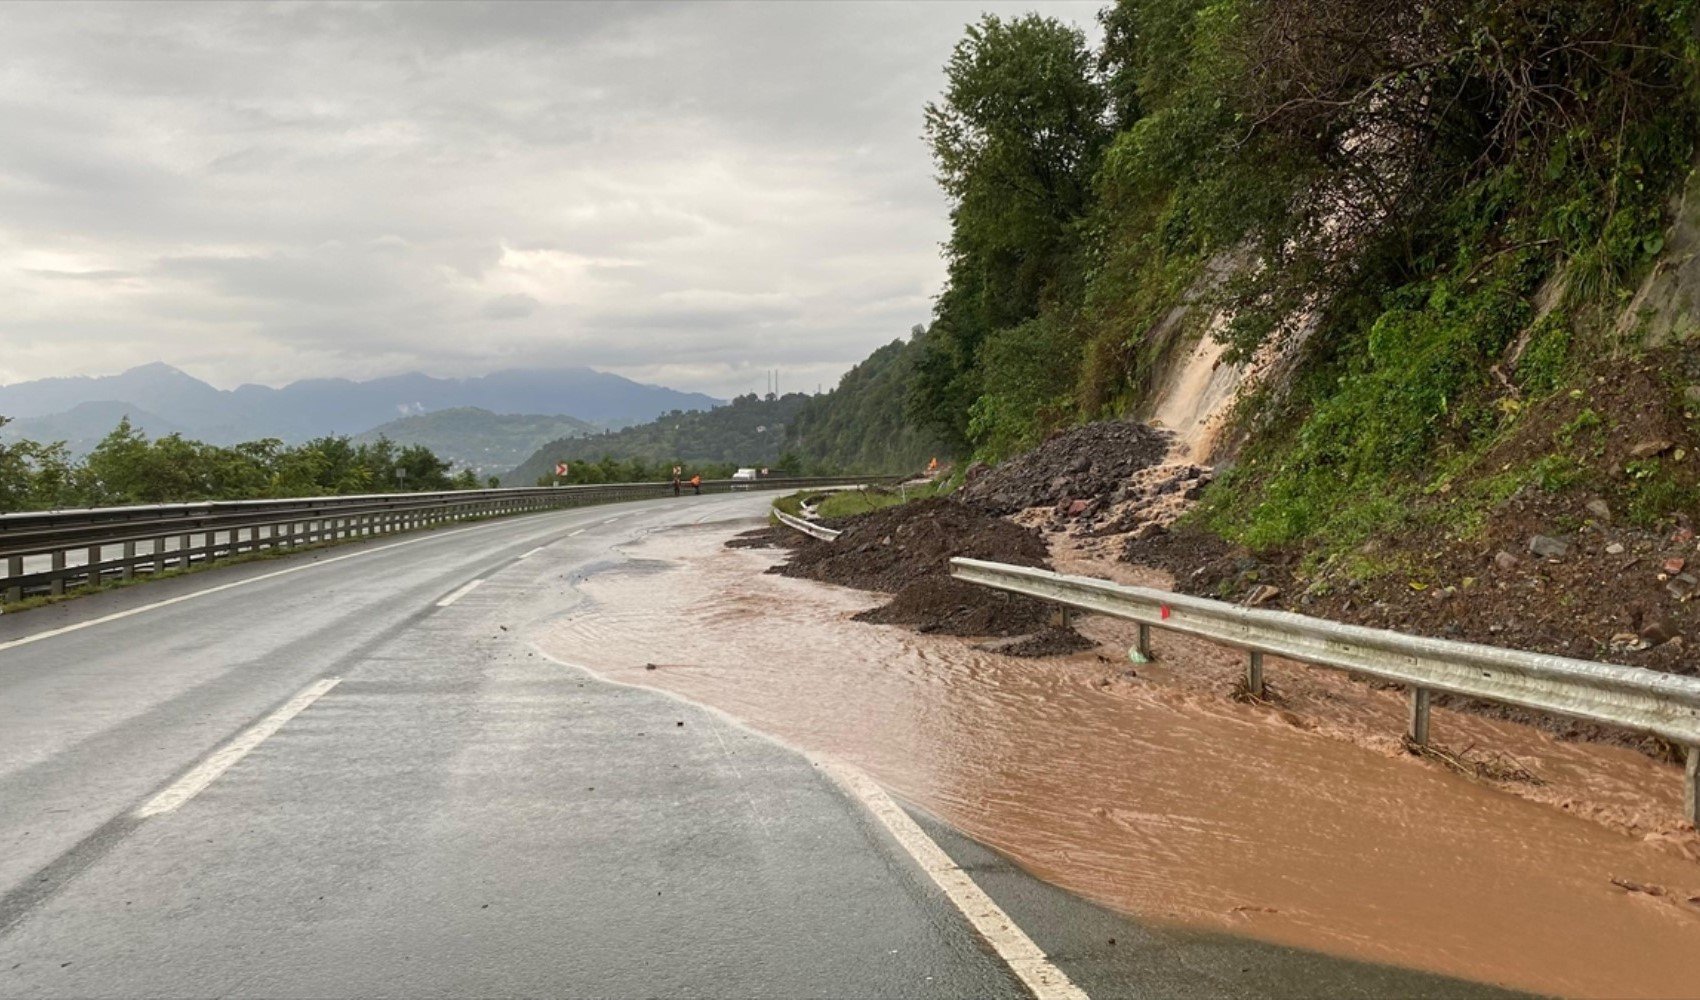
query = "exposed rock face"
{"x": 1667, "y": 306}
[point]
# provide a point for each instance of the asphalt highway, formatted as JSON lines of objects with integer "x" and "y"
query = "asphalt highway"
{"x": 347, "y": 773}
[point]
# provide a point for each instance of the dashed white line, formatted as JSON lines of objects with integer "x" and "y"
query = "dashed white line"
{"x": 205, "y": 773}
{"x": 575, "y": 534}
{"x": 460, "y": 592}
{"x": 1024, "y": 958}
{"x": 533, "y": 552}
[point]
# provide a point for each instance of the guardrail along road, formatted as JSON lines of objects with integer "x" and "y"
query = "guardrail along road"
{"x": 48, "y": 552}
{"x": 1627, "y": 697}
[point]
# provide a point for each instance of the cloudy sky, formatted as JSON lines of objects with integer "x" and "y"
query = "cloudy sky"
{"x": 686, "y": 194}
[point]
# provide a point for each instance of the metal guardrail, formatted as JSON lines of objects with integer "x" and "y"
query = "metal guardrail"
{"x": 807, "y": 527}
{"x": 48, "y": 552}
{"x": 1628, "y": 697}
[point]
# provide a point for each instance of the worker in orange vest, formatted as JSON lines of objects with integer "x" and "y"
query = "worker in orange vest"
{"x": 696, "y": 483}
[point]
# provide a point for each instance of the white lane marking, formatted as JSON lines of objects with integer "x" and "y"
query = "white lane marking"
{"x": 205, "y": 773}
{"x": 533, "y": 552}
{"x": 1031, "y": 966}
{"x": 575, "y": 534}
{"x": 460, "y": 593}
{"x": 1024, "y": 958}
{"x": 315, "y": 564}
{"x": 611, "y": 520}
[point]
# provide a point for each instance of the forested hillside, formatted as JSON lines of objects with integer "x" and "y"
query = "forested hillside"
{"x": 861, "y": 426}
{"x": 1422, "y": 222}
{"x": 487, "y": 443}
{"x": 748, "y": 431}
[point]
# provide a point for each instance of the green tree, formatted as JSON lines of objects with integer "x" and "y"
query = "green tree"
{"x": 1017, "y": 139}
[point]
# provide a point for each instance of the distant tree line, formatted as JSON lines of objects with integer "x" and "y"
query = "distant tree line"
{"x": 128, "y": 468}
{"x": 609, "y": 469}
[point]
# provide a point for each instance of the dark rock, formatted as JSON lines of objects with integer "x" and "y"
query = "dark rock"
{"x": 1548, "y": 547}
{"x": 1600, "y": 509}
{"x": 1506, "y": 561}
{"x": 1657, "y": 631}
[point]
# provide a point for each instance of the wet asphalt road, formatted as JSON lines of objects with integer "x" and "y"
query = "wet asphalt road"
{"x": 460, "y": 815}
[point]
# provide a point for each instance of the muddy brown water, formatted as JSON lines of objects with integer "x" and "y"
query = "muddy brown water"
{"x": 1157, "y": 795}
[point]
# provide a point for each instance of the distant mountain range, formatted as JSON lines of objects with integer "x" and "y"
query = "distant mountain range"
{"x": 487, "y": 443}
{"x": 161, "y": 399}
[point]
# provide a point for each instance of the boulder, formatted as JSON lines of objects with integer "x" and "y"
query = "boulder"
{"x": 1548, "y": 547}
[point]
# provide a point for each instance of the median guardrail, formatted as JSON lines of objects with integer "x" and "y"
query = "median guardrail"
{"x": 1627, "y": 697}
{"x": 50, "y": 552}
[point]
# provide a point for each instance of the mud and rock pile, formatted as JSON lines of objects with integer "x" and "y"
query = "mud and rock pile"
{"x": 769, "y": 536}
{"x": 1153, "y": 499}
{"x": 906, "y": 550}
{"x": 1083, "y": 468}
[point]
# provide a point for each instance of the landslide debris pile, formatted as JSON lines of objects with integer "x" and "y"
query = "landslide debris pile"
{"x": 1087, "y": 466}
{"x": 906, "y": 550}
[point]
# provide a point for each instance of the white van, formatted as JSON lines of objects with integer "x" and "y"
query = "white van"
{"x": 745, "y": 475}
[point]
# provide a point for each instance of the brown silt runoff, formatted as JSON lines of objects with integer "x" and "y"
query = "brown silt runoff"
{"x": 1299, "y": 820}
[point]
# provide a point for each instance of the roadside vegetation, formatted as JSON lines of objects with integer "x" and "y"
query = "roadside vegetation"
{"x": 831, "y": 504}
{"x": 127, "y": 467}
{"x": 1425, "y": 221}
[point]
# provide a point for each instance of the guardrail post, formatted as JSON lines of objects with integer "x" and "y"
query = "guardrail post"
{"x": 57, "y": 587}
{"x": 1254, "y": 674}
{"x": 1143, "y": 646}
{"x": 1691, "y": 787}
{"x": 14, "y": 569}
{"x": 129, "y": 570}
{"x": 1418, "y": 730}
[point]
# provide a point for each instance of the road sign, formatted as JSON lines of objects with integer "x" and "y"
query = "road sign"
{"x": 561, "y": 468}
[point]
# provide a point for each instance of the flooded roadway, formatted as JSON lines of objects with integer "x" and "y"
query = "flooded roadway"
{"x": 1157, "y": 795}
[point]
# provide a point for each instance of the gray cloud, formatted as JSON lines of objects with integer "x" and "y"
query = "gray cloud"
{"x": 684, "y": 193}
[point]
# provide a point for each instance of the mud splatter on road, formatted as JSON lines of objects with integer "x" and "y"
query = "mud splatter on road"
{"x": 1153, "y": 793}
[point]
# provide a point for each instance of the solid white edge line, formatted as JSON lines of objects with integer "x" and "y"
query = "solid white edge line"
{"x": 206, "y": 772}
{"x": 1024, "y": 958}
{"x": 1013, "y": 946}
{"x": 460, "y": 592}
